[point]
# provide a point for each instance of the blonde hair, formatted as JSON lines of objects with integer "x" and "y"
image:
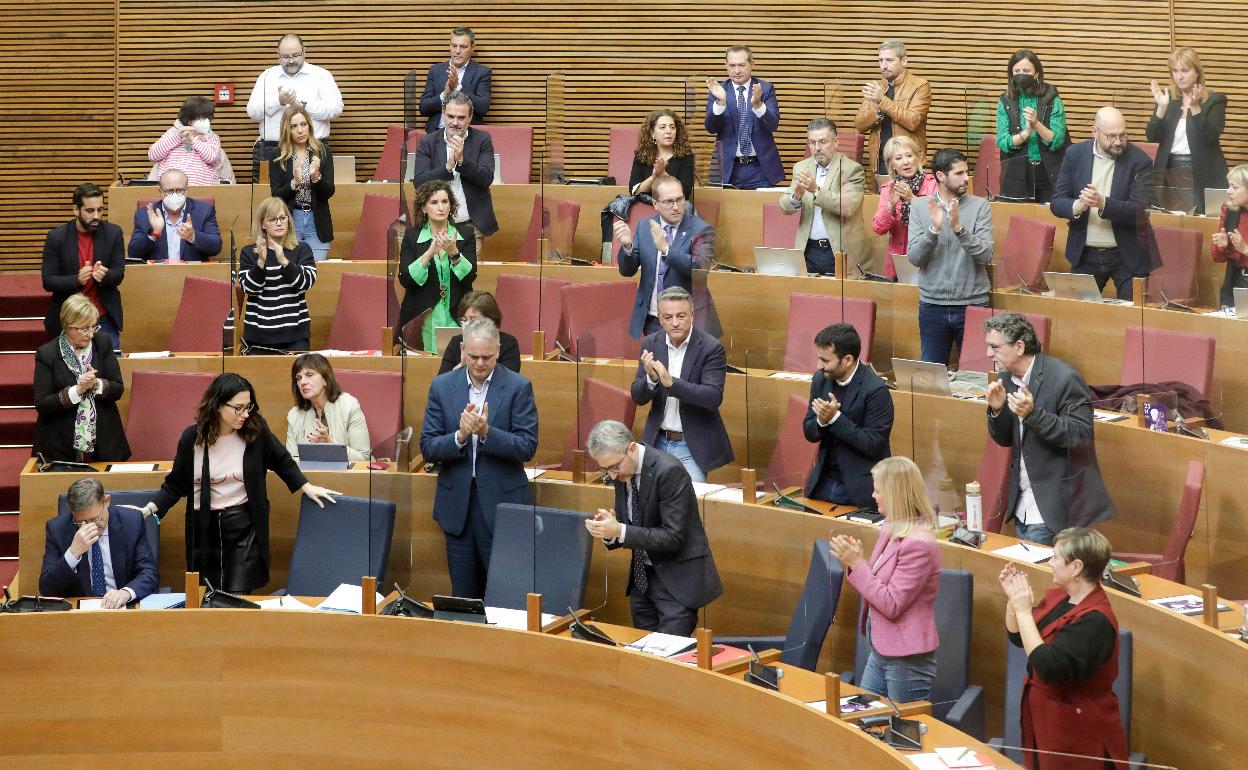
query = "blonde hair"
{"x": 1088, "y": 546}
{"x": 903, "y": 496}
{"x": 1240, "y": 175}
{"x": 78, "y": 310}
{"x": 896, "y": 143}
{"x": 270, "y": 208}
{"x": 284, "y": 143}
{"x": 1189, "y": 57}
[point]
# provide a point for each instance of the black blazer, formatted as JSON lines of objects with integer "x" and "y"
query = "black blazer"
{"x": 700, "y": 388}
{"x": 1126, "y": 207}
{"x": 859, "y": 437}
{"x": 670, "y": 532}
{"x": 476, "y": 172}
{"x": 133, "y": 564}
{"x": 1204, "y": 133}
{"x": 264, "y": 454}
{"x": 60, "y": 270}
{"x": 418, "y": 299}
{"x": 54, "y": 425}
{"x": 475, "y": 84}
{"x": 680, "y": 166}
{"x": 280, "y": 177}
{"x": 508, "y": 353}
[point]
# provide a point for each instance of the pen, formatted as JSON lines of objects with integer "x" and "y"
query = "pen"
{"x": 1024, "y": 545}
{"x": 965, "y": 751}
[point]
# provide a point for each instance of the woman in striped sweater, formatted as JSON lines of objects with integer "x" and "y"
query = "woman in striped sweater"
{"x": 276, "y": 273}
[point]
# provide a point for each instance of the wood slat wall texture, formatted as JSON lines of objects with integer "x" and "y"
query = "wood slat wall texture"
{"x": 619, "y": 59}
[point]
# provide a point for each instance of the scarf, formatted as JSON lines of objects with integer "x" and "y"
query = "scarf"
{"x": 84, "y": 420}
{"x": 915, "y": 183}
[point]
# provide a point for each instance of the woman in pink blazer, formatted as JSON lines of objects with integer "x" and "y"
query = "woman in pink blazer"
{"x": 908, "y": 182}
{"x": 898, "y": 584}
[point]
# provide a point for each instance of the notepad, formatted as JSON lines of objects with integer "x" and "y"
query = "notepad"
{"x": 662, "y": 645}
{"x": 1187, "y": 604}
{"x": 1034, "y": 554}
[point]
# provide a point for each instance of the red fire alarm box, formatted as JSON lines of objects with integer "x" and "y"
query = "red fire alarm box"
{"x": 223, "y": 93}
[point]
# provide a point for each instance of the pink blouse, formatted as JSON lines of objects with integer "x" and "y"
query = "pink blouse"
{"x": 225, "y": 463}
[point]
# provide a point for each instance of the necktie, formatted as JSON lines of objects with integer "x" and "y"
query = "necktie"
{"x": 640, "y": 581}
{"x": 97, "y": 569}
{"x": 745, "y": 147}
{"x": 670, "y": 232}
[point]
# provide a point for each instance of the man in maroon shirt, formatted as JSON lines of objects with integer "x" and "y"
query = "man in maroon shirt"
{"x": 85, "y": 255}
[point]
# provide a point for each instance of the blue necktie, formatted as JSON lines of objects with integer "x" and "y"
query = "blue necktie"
{"x": 745, "y": 147}
{"x": 97, "y": 569}
{"x": 640, "y": 581}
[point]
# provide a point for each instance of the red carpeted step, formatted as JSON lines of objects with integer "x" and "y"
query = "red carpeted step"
{"x": 12, "y": 460}
{"x": 17, "y": 426}
{"x": 17, "y": 375}
{"x": 22, "y": 335}
{"x": 22, "y": 296}
{"x": 8, "y": 536}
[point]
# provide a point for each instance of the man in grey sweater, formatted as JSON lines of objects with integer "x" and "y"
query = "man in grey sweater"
{"x": 950, "y": 242}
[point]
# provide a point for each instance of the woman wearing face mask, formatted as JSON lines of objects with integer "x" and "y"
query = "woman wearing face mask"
{"x": 303, "y": 176}
{"x": 1230, "y": 241}
{"x": 908, "y": 182}
{"x": 1031, "y": 131}
{"x": 437, "y": 263}
{"x": 1187, "y": 127}
{"x": 662, "y": 148}
{"x": 276, "y": 272}
{"x": 323, "y": 413}
{"x": 189, "y": 145}
{"x": 481, "y": 304}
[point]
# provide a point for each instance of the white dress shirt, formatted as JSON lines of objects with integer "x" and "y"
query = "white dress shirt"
{"x": 731, "y": 92}
{"x": 457, "y": 183}
{"x": 1028, "y": 512}
{"x": 818, "y": 230}
{"x": 313, "y": 86}
{"x": 675, "y": 362}
{"x": 476, "y": 397}
{"x": 110, "y": 581}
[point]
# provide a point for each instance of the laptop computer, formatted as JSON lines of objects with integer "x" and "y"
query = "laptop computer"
{"x": 1214, "y": 198}
{"x": 443, "y": 335}
{"x": 906, "y": 272}
{"x": 773, "y": 261}
{"x": 922, "y": 377}
{"x": 1241, "y": 303}
{"x": 323, "y": 457}
{"x": 1073, "y": 286}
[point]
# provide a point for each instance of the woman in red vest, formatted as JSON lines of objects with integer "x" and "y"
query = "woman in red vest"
{"x": 1071, "y": 640}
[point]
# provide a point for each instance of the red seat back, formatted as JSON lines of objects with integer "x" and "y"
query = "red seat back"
{"x": 381, "y": 399}
{"x": 162, "y": 405}
{"x": 1027, "y": 251}
{"x": 849, "y": 144}
{"x": 1157, "y": 355}
{"x": 994, "y": 483}
{"x": 364, "y": 305}
{"x": 1180, "y": 250}
{"x": 595, "y": 320}
{"x": 559, "y": 217}
{"x": 599, "y": 401}
{"x": 514, "y": 147}
{"x": 389, "y": 165}
{"x": 528, "y": 304}
{"x": 973, "y": 355}
{"x": 988, "y": 167}
{"x": 372, "y": 233}
{"x": 809, "y": 313}
{"x": 793, "y": 455}
{"x": 1172, "y": 566}
{"x": 623, "y": 145}
{"x": 197, "y": 327}
{"x": 779, "y": 229}
{"x": 1149, "y": 148}
{"x": 708, "y": 211}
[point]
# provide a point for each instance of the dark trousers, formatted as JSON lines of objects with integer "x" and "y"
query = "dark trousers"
{"x": 830, "y": 488}
{"x": 1105, "y": 265}
{"x": 109, "y": 327}
{"x": 262, "y": 152}
{"x": 748, "y": 176}
{"x": 940, "y": 326}
{"x": 468, "y": 553}
{"x": 651, "y": 326}
{"x": 820, "y": 258}
{"x": 658, "y": 610}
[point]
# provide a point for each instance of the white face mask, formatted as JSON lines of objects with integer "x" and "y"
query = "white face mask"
{"x": 174, "y": 201}
{"x": 203, "y": 126}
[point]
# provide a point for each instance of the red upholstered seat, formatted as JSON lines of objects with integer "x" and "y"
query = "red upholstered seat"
{"x": 559, "y": 219}
{"x": 595, "y": 320}
{"x": 709, "y": 212}
{"x": 973, "y": 356}
{"x": 1180, "y": 250}
{"x": 381, "y": 398}
{"x": 162, "y": 405}
{"x": 994, "y": 484}
{"x": 514, "y": 147}
{"x": 599, "y": 401}
{"x": 793, "y": 456}
{"x": 1149, "y": 148}
{"x": 988, "y": 167}
{"x": 1157, "y": 355}
{"x": 850, "y": 144}
{"x": 623, "y": 145}
{"x": 364, "y": 305}
{"x": 389, "y": 164}
{"x": 1026, "y": 253}
{"x": 372, "y": 234}
{"x": 779, "y": 229}
{"x": 1170, "y": 563}
{"x": 197, "y": 327}
{"x": 528, "y": 304}
{"x": 810, "y": 313}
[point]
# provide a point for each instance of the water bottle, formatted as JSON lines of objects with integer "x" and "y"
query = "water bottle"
{"x": 974, "y": 508}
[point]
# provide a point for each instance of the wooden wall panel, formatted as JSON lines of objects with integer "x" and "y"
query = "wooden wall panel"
{"x": 619, "y": 59}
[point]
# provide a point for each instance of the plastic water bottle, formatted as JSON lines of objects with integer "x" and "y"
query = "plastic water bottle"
{"x": 974, "y": 508}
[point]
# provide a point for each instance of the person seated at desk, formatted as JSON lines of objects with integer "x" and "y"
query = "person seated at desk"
{"x": 827, "y": 190}
{"x": 227, "y": 520}
{"x": 672, "y": 573}
{"x": 908, "y": 183}
{"x": 662, "y": 150}
{"x": 473, "y": 305}
{"x": 77, "y": 385}
{"x": 176, "y": 228}
{"x": 850, "y": 417}
{"x": 323, "y": 413}
{"x": 898, "y": 584}
{"x": 118, "y": 566}
{"x": 302, "y": 174}
{"x": 189, "y": 145}
{"x": 1071, "y": 640}
{"x": 276, "y": 274}
{"x": 437, "y": 262}
{"x": 1230, "y": 241}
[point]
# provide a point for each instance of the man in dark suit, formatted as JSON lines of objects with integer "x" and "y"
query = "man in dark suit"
{"x": 176, "y": 228}
{"x": 465, "y": 159}
{"x": 85, "y": 255}
{"x": 743, "y": 115}
{"x": 850, "y": 416}
{"x": 672, "y": 574}
{"x": 681, "y": 374}
{"x": 480, "y": 426}
{"x": 1055, "y": 481}
{"x": 1102, "y": 188}
{"x": 666, "y": 248}
{"x": 118, "y": 564}
{"x": 460, "y": 73}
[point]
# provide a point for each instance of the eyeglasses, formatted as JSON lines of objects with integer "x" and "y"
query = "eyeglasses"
{"x": 242, "y": 410}
{"x": 97, "y": 521}
{"x": 171, "y": 190}
{"x": 671, "y": 201}
{"x": 994, "y": 348}
{"x": 1120, "y": 136}
{"x": 85, "y": 329}
{"x": 614, "y": 468}
{"x": 278, "y": 220}
{"x": 290, "y": 56}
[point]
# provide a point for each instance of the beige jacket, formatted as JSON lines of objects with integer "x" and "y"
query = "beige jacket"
{"x": 343, "y": 418}
{"x": 908, "y": 109}
{"x": 840, "y": 199}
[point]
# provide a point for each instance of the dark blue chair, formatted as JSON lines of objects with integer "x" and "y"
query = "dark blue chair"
{"x": 812, "y": 616}
{"x": 136, "y": 497}
{"x": 954, "y": 701}
{"x": 340, "y": 543}
{"x": 1016, "y": 674}
{"x": 538, "y": 550}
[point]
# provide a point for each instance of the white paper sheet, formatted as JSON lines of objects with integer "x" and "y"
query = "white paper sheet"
{"x": 1034, "y": 554}
{"x": 663, "y": 645}
{"x": 514, "y": 619}
{"x": 533, "y": 473}
{"x": 285, "y": 603}
{"x": 132, "y": 468}
{"x": 346, "y": 598}
{"x": 150, "y": 354}
{"x": 798, "y": 376}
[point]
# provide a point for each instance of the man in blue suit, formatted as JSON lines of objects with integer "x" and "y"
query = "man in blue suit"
{"x": 666, "y": 249}
{"x": 118, "y": 563}
{"x": 176, "y": 228}
{"x": 481, "y": 427}
{"x": 460, "y": 73}
{"x": 743, "y": 115}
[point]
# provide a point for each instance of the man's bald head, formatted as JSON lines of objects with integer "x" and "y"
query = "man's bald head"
{"x": 1110, "y": 131}
{"x": 173, "y": 179}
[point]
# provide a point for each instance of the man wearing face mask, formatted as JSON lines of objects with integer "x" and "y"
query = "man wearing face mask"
{"x": 464, "y": 158}
{"x": 175, "y": 228}
{"x": 291, "y": 81}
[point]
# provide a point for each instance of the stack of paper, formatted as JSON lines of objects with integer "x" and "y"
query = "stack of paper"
{"x": 346, "y": 598}
{"x": 284, "y": 603}
{"x": 1036, "y": 554}
{"x": 514, "y": 619}
{"x": 797, "y": 376}
{"x": 662, "y": 645}
{"x": 162, "y": 601}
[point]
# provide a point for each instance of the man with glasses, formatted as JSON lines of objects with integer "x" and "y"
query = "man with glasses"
{"x": 1103, "y": 188}
{"x": 292, "y": 81}
{"x": 175, "y": 228}
{"x": 85, "y": 255}
{"x": 97, "y": 550}
{"x": 666, "y": 248}
{"x": 827, "y": 189}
